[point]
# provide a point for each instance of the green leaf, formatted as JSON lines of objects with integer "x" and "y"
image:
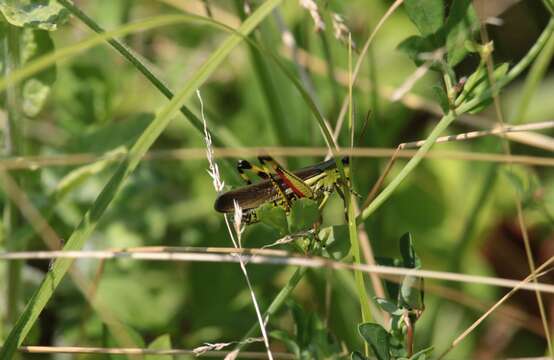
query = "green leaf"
{"x": 301, "y": 322}
{"x": 389, "y": 306}
{"x": 34, "y": 94}
{"x": 377, "y": 337}
{"x": 275, "y": 217}
{"x": 132, "y": 295}
{"x": 460, "y": 25}
{"x": 423, "y": 354}
{"x": 162, "y": 342}
{"x": 44, "y": 15}
{"x": 357, "y": 356}
{"x": 411, "y": 293}
{"x": 408, "y": 253}
{"x": 414, "y": 45}
{"x": 411, "y": 290}
{"x": 36, "y": 43}
{"x": 441, "y": 97}
{"x": 304, "y": 213}
{"x": 337, "y": 244}
{"x": 427, "y": 15}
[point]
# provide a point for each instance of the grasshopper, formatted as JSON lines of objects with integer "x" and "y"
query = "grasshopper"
{"x": 281, "y": 187}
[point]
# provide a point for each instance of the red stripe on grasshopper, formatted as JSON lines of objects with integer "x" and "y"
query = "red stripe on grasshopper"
{"x": 289, "y": 183}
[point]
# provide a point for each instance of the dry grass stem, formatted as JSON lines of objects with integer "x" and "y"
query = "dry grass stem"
{"x": 310, "y": 262}
{"x": 139, "y": 351}
{"x": 208, "y": 347}
{"x": 34, "y": 163}
{"x": 218, "y": 186}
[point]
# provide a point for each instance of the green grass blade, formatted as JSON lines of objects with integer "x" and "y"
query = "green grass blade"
{"x": 91, "y": 218}
{"x": 536, "y": 74}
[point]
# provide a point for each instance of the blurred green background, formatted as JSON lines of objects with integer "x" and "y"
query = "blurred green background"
{"x": 461, "y": 213}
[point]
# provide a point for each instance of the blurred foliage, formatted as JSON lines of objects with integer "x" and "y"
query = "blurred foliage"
{"x": 462, "y": 213}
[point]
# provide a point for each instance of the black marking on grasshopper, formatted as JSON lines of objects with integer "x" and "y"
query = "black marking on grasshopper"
{"x": 243, "y": 165}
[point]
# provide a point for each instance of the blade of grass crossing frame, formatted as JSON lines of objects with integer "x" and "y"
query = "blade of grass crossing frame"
{"x": 352, "y": 226}
{"x": 88, "y": 223}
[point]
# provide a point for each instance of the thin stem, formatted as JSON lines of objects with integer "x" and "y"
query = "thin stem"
{"x": 352, "y": 226}
{"x": 536, "y": 74}
{"x": 13, "y": 147}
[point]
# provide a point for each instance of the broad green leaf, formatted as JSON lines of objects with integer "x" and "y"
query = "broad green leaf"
{"x": 312, "y": 337}
{"x": 337, "y": 244}
{"x": 44, "y": 15}
{"x": 304, "y": 213}
{"x": 377, "y": 338}
{"x": 162, "y": 342}
{"x": 427, "y": 15}
{"x": 301, "y": 322}
{"x": 34, "y": 94}
{"x": 442, "y": 98}
{"x": 411, "y": 290}
{"x": 36, "y": 43}
{"x": 411, "y": 293}
{"x": 414, "y": 45}
{"x": 133, "y": 297}
{"x": 460, "y": 25}
{"x": 389, "y": 306}
{"x": 408, "y": 253}
{"x": 275, "y": 217}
